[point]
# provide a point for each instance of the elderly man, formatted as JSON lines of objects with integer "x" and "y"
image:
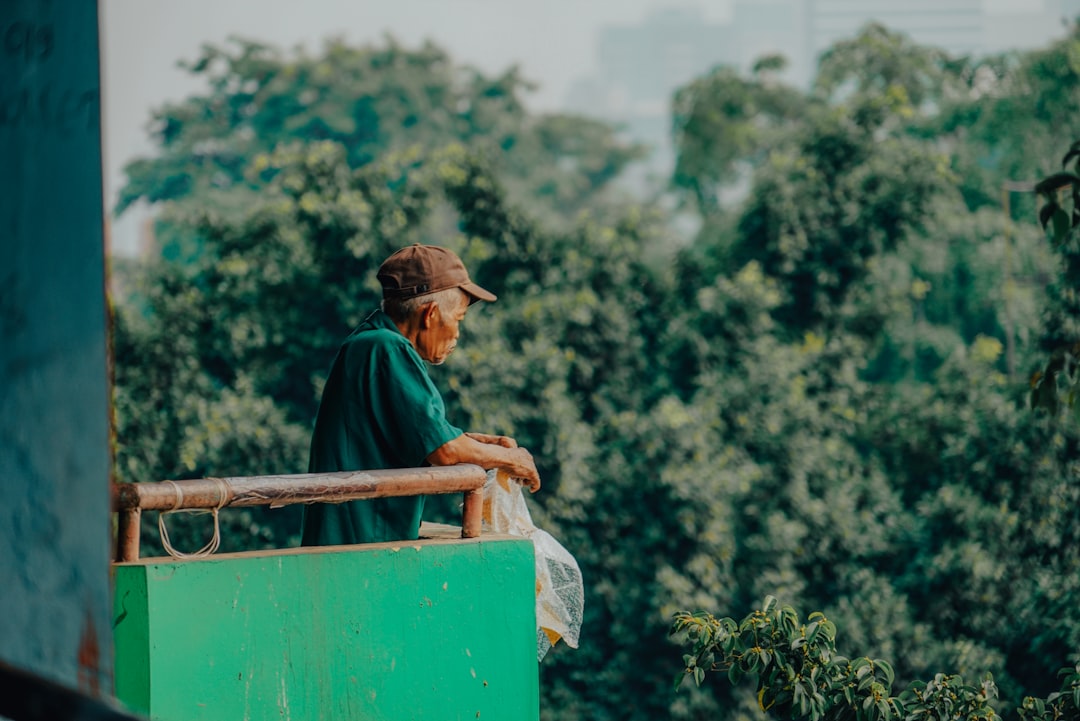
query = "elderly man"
{"x": 380, "y": 409}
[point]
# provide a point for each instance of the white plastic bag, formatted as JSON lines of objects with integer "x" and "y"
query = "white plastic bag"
{"x": 560, "y": 592}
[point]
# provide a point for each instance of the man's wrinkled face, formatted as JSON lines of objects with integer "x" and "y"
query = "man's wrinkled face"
{"x": 439, "y": 336}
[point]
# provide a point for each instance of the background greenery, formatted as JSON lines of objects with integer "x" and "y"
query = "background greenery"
{"x": 822, "y": 397}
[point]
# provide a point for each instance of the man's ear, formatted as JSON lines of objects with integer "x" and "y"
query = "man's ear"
{"x": 429, "y": 314}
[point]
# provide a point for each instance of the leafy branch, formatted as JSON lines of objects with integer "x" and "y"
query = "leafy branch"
{"x": 1057, "y": 385}
{"x": 799, "y": 675}
{"x": 1062, "y": 704}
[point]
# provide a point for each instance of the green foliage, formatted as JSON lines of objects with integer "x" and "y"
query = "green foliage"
{"x": 1057, "y": 385}
{"x": 369, "y": 101}
{"x": 886, "y": 78}
{"x": 721, "y": 122}
{"x": 1062, "y": 704}
{"x": 799, "y": 675}
{"x": 1016, "y": 116}
{"x": 813, "y": 400}
{"x": 823, "y": 207}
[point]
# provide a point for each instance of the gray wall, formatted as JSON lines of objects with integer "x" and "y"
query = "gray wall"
{"x": 54, "y": 436}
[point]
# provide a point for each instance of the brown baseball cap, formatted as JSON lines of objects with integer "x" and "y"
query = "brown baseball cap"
{"x": 422, "y": 269}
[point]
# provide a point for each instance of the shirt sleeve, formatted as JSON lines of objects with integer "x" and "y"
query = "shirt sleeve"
{"x": 410, "y": 406}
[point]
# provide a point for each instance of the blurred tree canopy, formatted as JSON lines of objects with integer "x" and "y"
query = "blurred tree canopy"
{"x": 370, "y": 101}
{"x": 822, "y": 399}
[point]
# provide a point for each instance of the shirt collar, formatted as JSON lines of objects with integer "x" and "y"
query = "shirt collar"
{"x": 377, "y": 320}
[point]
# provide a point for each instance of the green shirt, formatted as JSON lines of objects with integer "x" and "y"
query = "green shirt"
{"x": 379, "y": 409}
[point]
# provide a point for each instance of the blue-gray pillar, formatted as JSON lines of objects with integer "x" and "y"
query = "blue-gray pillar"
{"x": 54, "y": 389}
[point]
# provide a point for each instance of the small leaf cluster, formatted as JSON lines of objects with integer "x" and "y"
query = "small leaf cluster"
{"x": 1055, "y": 387}
{"x": 1062, "y": 704}
{"x": 1056, "y": 217}
{"x": 800, "y": 675}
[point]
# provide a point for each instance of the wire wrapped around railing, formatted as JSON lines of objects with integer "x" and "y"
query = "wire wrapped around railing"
{"x": 131, "y": 499}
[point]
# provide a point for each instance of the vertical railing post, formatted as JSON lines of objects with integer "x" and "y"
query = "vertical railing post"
{"x": 127, "y": 534}
{"x": 472, "y": 513}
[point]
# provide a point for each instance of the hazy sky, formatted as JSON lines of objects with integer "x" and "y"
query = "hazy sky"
{"x": 552, "y": 41}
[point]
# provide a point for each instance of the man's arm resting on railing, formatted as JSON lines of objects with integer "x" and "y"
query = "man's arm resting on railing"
{"x": 489, "y": 452}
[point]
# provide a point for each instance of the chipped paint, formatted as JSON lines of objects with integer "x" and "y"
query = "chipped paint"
{"x": 89, "y": 658}
{"x": 283, "y": 699}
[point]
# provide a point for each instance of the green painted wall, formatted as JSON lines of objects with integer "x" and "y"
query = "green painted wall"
{"x": 424, "y": 630}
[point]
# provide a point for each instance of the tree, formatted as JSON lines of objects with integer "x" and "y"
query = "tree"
{"x": 722, "y": 123}
{"x": 371, "y": 101}
{"x": 879, "y": 424}
{"x": 812, "y": 400}
{"x": 886, "y": 78}
{"x": 298, "y": 128}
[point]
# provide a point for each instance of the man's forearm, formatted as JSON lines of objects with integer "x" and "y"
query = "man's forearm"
{"x": 517, "y": 462}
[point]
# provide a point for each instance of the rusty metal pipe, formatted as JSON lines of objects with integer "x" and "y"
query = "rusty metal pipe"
{"x": 129, "y": 499}
{"x": 303, "y": 488}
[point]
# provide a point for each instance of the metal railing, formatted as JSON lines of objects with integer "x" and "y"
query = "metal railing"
{"x": 131, "y": 499}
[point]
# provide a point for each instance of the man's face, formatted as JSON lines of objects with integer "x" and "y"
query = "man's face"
{"x": 438, "y": 336}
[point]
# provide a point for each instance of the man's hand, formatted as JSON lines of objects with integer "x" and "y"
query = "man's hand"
{"x": 523, "y": 469}
{"x": 489, "y": 452}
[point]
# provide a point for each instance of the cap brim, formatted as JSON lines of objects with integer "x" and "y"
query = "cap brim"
{"x": 477, "y": 293}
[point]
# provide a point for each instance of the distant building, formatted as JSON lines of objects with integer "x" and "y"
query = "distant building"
{"x": 955, "y": 26}
{"x": 670, "y": 48}
{"x": 640, "y": 66}
{"x": 1023, "y": 31}
{"x": 1068, "y": 9}
{"x": 1029, "y": 30}
{"x": 775, "y": 27}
